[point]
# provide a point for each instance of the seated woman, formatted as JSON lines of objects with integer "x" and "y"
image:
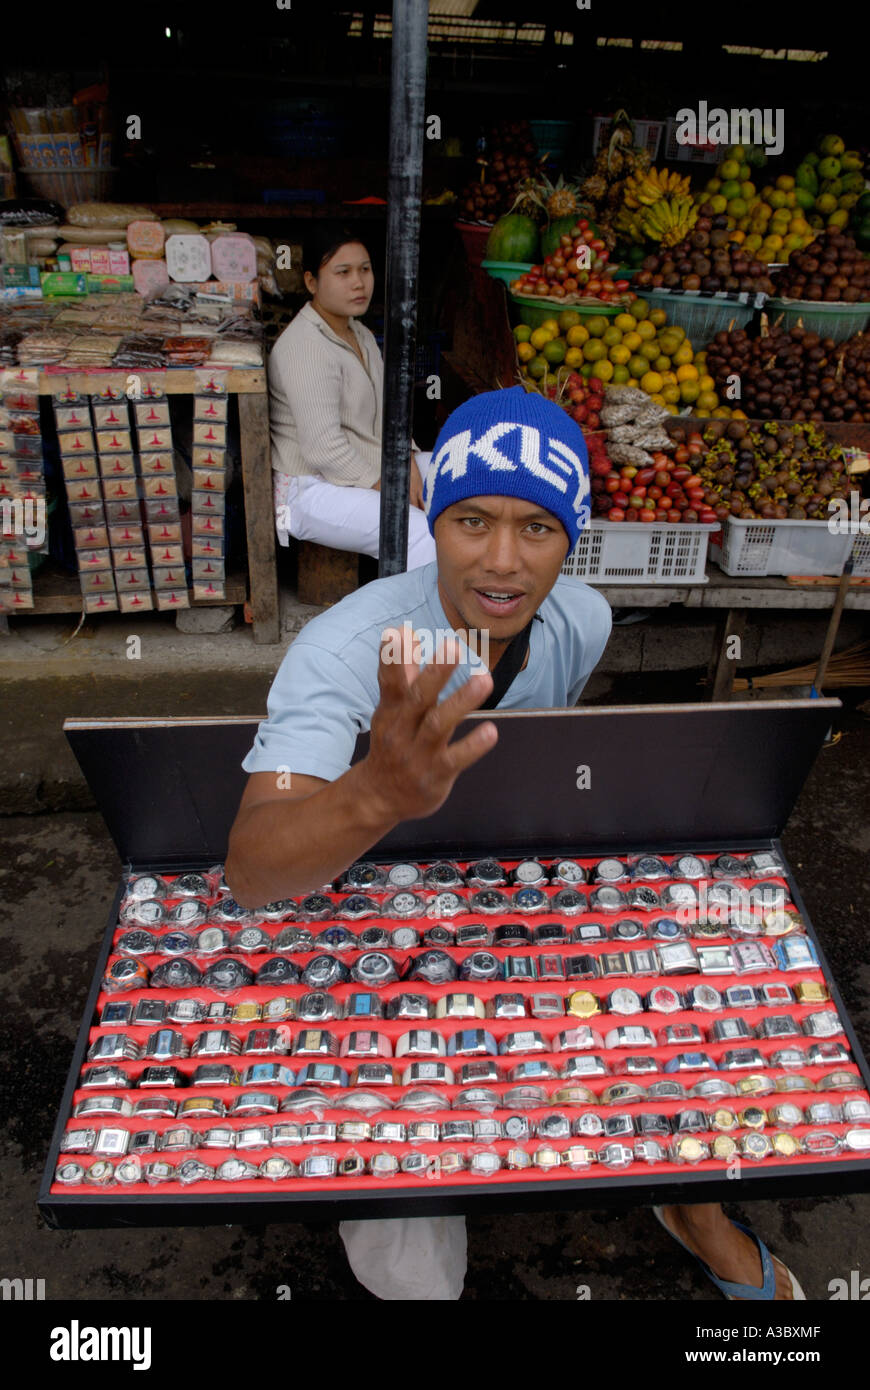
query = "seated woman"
{"x": 326, "y": 389}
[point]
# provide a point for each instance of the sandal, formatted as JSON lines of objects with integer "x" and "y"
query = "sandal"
{"x": 733, "y": 1292}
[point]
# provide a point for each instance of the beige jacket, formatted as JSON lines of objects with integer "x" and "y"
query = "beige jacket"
{"x": 326, "y": 408}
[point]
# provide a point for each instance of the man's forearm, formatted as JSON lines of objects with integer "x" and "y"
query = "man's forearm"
{"x": 285, "y": 847}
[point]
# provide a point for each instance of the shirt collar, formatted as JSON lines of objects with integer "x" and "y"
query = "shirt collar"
{"x": 312, "y": 316}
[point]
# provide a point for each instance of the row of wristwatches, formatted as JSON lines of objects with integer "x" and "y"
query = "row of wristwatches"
{"x": 169, "y": 1044}
{"x": 112, "y": 1141}
{"x": 430, "y": 1071}
{"x": 485, "y": 1162}
{"x": 436, "y": 966}
{"x": 296, "y": 940}
{"x": 489, "y": 872}
{"x": 717, "y": 900}
{"x": 320, "y": 1007}
{"x": 476, "y": 1097}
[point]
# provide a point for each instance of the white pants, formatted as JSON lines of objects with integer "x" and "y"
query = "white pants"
{"x": 411, "y": 1259}
{"x": 345, "y": 518}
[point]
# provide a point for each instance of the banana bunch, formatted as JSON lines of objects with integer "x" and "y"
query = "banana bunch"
{"x": 629, "y": 225}
{"x": 642, "y": 190}
{"x": 670, "y": 219}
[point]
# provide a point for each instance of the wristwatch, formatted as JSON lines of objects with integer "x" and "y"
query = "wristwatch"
{"x": 435, "y": 967}
{"x": 362, "y": 876}
{"x": 488, "y": 900}
{"x": 141, "y": 886}
{"x": 282, "y": 910}
{"x": 255, "y": 1136}
{"x": 486, "y": 873}
{"x": 403, "y": 876}
{"x": 529, "y": 873}
{"x": 421, "y": 1042}
{"x": 324, "y": 972}
{"x": 530, "y": 900}
{"x": 650, "y": 867}
{"x": 143, "y": 912}
{"x": 316, "y": 907}
{"x": 567, "y": 873}
{"x": 358, "y": 906}
{"x": 611, "y": 871}
{"x": 404, "y": 938}
{"x": 409, "y": 1006}
{"x": 374, "y": 969}
{"x": 444, "y": 874}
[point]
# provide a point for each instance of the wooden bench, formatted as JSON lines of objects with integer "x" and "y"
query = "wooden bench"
{"x": 325, "y": 575}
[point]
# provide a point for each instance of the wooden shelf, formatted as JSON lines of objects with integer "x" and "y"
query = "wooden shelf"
{"x": 176, "y": 381}
{"x": 57, "y": 592}
{"x": 287, "y": 212}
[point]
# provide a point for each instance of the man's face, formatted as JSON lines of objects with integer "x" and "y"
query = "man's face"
{"x": 498, "y": 558}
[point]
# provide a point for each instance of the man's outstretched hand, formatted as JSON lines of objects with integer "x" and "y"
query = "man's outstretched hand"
{"x": 412, "y": 765}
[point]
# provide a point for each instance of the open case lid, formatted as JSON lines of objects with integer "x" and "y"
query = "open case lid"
{"x": 595, "y": 777}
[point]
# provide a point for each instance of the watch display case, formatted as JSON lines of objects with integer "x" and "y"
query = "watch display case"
{"x": 672, "y": 1026}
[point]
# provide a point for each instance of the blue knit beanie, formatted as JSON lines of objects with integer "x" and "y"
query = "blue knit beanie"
{"x": 511, "y": 443}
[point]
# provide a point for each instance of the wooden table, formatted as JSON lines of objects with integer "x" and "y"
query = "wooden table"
{"x": 249, "y": 384}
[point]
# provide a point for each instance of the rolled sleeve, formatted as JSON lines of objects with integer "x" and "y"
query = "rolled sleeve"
{"x": 316, "y": 707}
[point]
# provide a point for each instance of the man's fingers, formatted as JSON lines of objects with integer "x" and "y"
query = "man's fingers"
{"x": 470, "y": 749}
{"x": 441, "y": 720}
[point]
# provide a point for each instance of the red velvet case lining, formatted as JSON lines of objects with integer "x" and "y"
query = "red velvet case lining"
{"x": 393, "y": 1029}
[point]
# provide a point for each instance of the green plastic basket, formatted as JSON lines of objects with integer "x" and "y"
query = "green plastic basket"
{"x": 837, "y": 321}
{"x": 534, "y": 312}
{"x": 701, "y": 315}
{"x": 506, "y": 271}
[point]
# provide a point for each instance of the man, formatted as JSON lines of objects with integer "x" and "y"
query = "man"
{"x": 506, "y": 496}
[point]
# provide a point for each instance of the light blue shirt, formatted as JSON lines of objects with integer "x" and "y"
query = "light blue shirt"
{"x": 326, "y": 688}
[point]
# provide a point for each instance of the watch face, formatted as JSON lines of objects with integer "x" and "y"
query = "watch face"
{"x": 569, "y": 902}
{"x": 625, "y": 1001}
{"x": 569, "y": 872}
{"x": 530, "y": 873}
{"x": 358, "y": 906}
{"x": 667, "y": 929}
{"x": 487, "y": 872}
{"x": 316, "y": 907}
{"x": 145, "y": 886}
{"x": 323, "y": 972}
{"x": 604, "y": 899}
{"x": 228, "y": 910}
{"x": 447, "y": 905}
{"x": 335, "y": 938}
{"x": 530, "y": 900}
{"x": 404, "y": 905}
{"x": 280, "y": 911}
{"x": 176, "y": 943}
{"x": 225, "y": 975}
{"x": 689, "y": 866}
{"x": 363, "y": 875}
{"x": 444, "y": 875}
{"x": 189, "y": 912}
{"x": 480, "y": 965}
{"x": 489, "y": 900}
{"x": 403, "y": 875}
{"x": 136, "y": 943}
{"x": 647, "y": 899}
{"x": 146, "y": 912}
{"x": 650, "y": 867}
{"x": 177, "y": 974}
{"x": 404, "y": 938}
{"x": 374, "y": 968}
{"x": 611, "y": 871}
{"x": 294, "y": 939}
{"x": 189, "y": 886}
{"x": 435, "y": 967}
{"x": 627, "y": 930}
{"x": 277, "y": 971}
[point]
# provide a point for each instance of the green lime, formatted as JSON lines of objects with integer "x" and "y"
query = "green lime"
{"x": 639, "y": 309}
{"x": 522, "y": 333}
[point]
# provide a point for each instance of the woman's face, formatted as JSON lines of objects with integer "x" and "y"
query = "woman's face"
{"x": 345, "y": 283}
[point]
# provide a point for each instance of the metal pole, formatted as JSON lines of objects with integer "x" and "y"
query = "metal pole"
{"x": 407, "y": 115}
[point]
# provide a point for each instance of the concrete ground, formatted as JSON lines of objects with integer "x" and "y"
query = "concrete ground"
{"x": 57, "y": 875}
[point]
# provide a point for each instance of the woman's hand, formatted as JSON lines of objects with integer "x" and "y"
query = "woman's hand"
{"x": 416, "y": 485}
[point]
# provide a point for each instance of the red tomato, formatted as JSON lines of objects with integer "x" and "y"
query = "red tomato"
{"x": 674, "y": 515}
{"x": 622, "y": 285}
{"x": 654, "y": 492}
{"x": 645, "y": 476}
{"x": 620, "y": 499}
{"x": 665, "y": 503}
{"x": 661, "y": 514}
{"x": 647, "y": 515}
{"x": 681, "y": 455}
{"x": 611, "y": 484}
{"x": 693, "y": 481}
{"x": 616, "y": 515}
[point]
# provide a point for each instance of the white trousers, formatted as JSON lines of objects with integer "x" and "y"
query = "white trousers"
{"x": 345, "y": 518}
{"x": 412, "y": 1259}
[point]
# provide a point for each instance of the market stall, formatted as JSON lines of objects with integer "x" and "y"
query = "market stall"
{"x": 138, "y": 314}
{"x": 611, "y": 996}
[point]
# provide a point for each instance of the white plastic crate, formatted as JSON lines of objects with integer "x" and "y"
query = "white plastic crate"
{"x": 861, "y": 555}
{"x": 698, "y": 154}
{"x": 647, "y": 136}
{"x": 782, "y": 547}
{"x": 611, "y": 552}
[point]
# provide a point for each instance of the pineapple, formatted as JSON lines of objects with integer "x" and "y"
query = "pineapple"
{"x": 560, "y": 199}
{"x": 594, "y": 188}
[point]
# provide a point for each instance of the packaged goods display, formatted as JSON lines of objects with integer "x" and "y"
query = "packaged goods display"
{"x": 664, "y": 1011}
{"x": 23, "y": 513}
